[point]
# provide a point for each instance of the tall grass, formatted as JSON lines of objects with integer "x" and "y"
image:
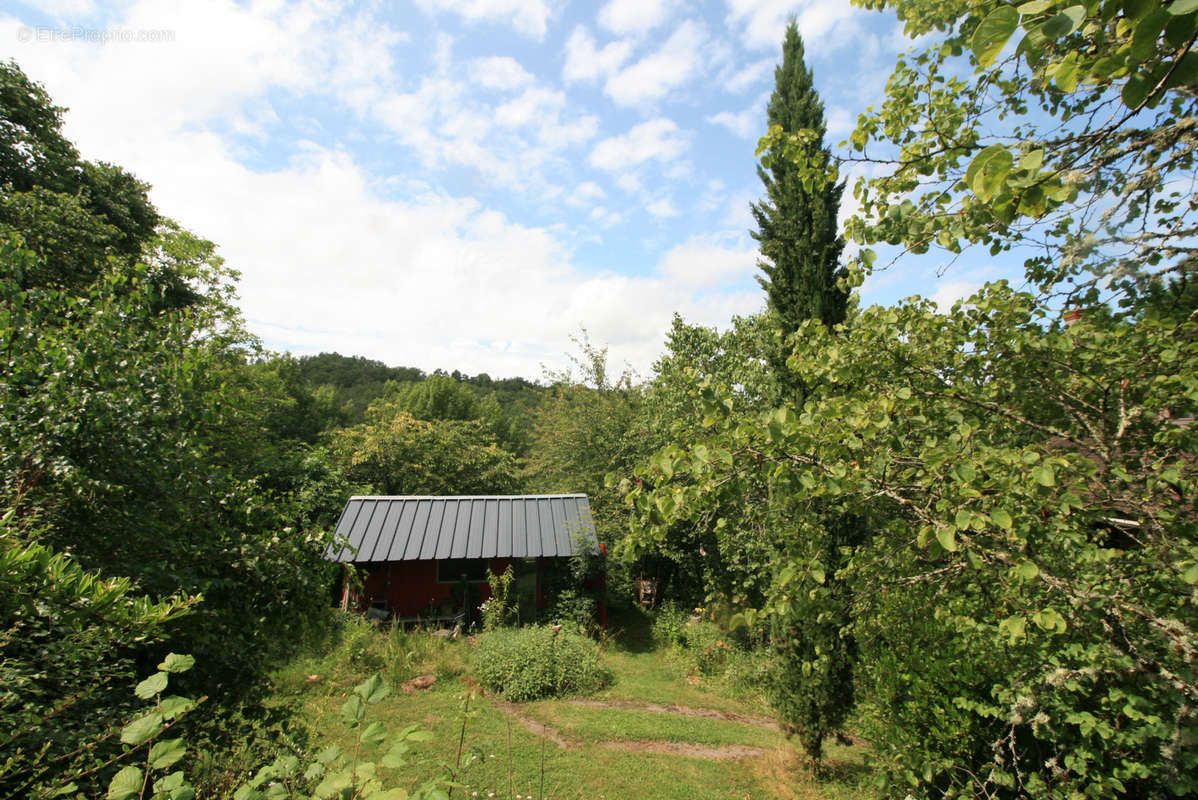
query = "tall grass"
{"x": 356, "y": 647}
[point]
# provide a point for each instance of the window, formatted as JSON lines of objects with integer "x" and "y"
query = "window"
{"x": 451, "y": 570}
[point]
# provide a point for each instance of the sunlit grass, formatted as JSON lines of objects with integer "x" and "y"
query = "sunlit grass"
{"x": 502, "y": 759}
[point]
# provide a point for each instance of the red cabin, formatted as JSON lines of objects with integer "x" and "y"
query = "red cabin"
{"x": 427, "y": 558}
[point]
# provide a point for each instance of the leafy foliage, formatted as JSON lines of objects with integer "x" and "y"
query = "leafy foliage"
{"x": 138, "y": 443}
{"x": 395, "y": 453}
{"x": 1072, "y": 141}
{"x": 584, "y": 431}
{"x": 498, "y": 607}
{"x": 67, "y": 643}
{"x": 1023, "y": 606}
{"x": 535, "y": 662}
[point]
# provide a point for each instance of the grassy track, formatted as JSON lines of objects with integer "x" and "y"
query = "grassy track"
{"x": 654, "y": 734}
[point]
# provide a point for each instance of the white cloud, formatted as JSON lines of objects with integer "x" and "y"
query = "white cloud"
{"x": 654, "y": 76}
{"x": 67, "y": 9}
{"x": 586, "y": 194}
{"x": 629, "y": 182}
{"x": 763, "y": 22}
{"x": 746, "y": 124}
{"x": 739, "y": 80}
{"x": 737, "y": 210}
{"x": 387, "y": 265}
{"x": 605, "y": 217}
{"x": 499, "y": 72}
{"x": 634, "y": 16}
{"x": 710, "y": 260}
{"x": 840, "y": 122}
{"x": 528, "y": 17}
{"x": 658, "y": 139}
{"x": 952, "y": 291}
{"x": 662, "y": 208}
{"x": 586, "y": 62}
{"x": 531, "y": 105}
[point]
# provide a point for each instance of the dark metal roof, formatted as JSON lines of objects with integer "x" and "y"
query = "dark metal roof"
{"x": 427, "y": 528}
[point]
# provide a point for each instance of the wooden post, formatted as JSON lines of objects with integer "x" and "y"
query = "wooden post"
{"x": 603, "y": 587}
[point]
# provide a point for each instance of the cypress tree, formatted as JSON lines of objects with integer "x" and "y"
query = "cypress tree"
{"x": 796, "y": 224}
{"x": 812, "y": 688}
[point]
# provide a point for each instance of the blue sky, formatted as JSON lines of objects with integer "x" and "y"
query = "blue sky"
{"x": 459, "y": 184}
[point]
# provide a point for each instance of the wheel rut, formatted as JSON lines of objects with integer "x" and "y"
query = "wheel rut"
{"x": 714, "y": 753}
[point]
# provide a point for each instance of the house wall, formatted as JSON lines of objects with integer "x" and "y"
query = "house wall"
{"x": 410, "y": 588}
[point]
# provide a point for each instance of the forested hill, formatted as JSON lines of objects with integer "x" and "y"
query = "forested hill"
{"x": 352, "y": 383}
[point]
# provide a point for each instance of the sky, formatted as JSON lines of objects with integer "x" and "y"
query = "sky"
{"x": 460, "y": 184}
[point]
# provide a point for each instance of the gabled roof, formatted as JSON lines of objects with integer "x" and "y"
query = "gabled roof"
{"x": 427, "y": 528}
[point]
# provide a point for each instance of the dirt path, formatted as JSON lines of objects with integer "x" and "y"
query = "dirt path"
{"x": 533, "y": 726}
{"x": 726, "y": 752}
{"x": 706, "y": 713}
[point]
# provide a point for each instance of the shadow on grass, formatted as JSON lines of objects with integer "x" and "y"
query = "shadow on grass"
{"x": 840, "y": 770}
{"x": 635, "y": 627}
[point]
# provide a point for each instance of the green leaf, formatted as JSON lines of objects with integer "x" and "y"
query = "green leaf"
{"x": 167, "y": 752}
{"x": 388, "y": 794}
{"x": 173, "y": 787}
{"x": 151, "y": 686}
{"x": 1064, "y": 23}
{"x": 353, "y": 711}
{"x": 125, "y": 785}
{"x": 818, "y": 575}
{"x": 993, "y": 33}
{"x": 947, "y": 536}
{"x": 1001, "y": 518}
{"x": 988, "y": 170}
{"x": 1065, "y": 73}
{"x": 333, "y": 784}
{"x": 372, "y": 690}
{"x": 1180, "y": 8}
{"x": 1144, "y": 40}
{"x": 175, "y": 706}
{"x": 176, "y": 663}
{"x": 1136, "y": 90}
{"x": 1015, "y": 628}
{"x": 374, "y": 734}
{"x": 1191, "y": 574}
{"x": 962, "y": 519}
{"x": 1035, "y": 7}
{"x": 1027, "y": 570}
{"x": 1044, "y": 476}
{"x": 1048, "y": 619}
{"x": 141, "y": 729}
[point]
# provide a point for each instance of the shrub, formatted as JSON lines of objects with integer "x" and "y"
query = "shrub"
{"x": 702, "y": 647}
{"x": 574, "y": 609}
{"x": 669, "y": 626}
{"x": 498, "y": 608}
{"x": 532, "y": 663}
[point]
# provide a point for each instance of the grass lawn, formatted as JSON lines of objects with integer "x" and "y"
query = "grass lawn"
{"x": 652, "y": 734}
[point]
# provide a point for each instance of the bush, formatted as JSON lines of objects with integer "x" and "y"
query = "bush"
{"x": 702, "y": 647}
{"x": 669, "y": 626}
{"x": 533, "y": 663}
{"x": 574, "y": 609}
{"x": 498, "y": 608}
